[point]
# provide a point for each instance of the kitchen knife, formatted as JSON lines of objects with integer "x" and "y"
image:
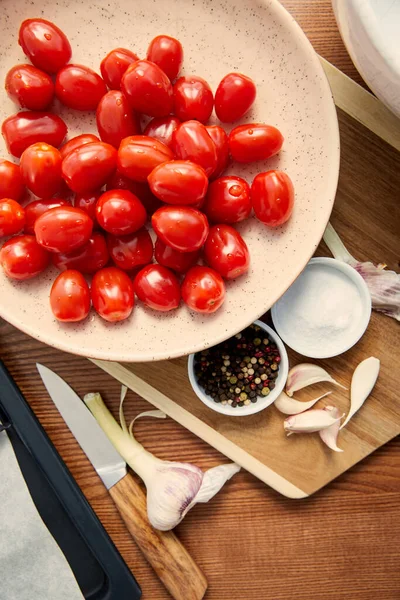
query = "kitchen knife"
{"x": 168, "y": 557}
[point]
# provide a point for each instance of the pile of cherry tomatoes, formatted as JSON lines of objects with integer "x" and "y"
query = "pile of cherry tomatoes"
{"x": 95, "y": 193}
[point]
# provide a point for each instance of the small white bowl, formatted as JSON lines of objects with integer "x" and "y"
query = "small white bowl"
{"x": 306, "y": 307}
{"x": 262, "y": 402}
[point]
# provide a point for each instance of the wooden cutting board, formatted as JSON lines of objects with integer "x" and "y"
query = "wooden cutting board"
{"x": 367, "y": 217}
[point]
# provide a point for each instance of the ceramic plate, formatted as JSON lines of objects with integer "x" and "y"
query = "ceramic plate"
{"x": 257, "y": 38}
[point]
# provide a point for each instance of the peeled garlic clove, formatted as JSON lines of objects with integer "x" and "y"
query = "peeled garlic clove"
{"x": 290, "y": 406}
{"x": 329, "y": 435}
{"x": 309, "y": 421}
{"x": 306, "y": 374}
{"x": 362, "y": 383}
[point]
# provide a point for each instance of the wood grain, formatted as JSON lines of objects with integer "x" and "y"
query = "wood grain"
{"x": 169, "y": 559}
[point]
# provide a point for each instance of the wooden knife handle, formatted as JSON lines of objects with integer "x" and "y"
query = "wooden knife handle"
{"x": 168, "y": 557}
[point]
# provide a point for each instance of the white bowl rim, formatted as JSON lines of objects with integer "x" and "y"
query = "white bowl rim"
{"x": 261, "y": 404}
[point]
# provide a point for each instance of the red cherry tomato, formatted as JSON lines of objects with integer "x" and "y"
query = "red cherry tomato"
{"x": 88, "y": 167}
{"x": 63, "y": 229}
{"x": 26, "y": 128}
{"x": 114, "y": 65}
{"x": 177, "y": 261}
{"x": 76, "y": 142}
{"x": 115, "y": 118}
{"x": 70, "y": 297}
{"x": 140, "y": 189}
{"x": 179, "y": 182}
{"x": 181, "y": 227}
{"x": 228, "y": 200}
{"x": 158, "y": 288}
{"x": 112, "y": 294}
{"x": 11, "y": 182}
{"x": 226, "y": 251}
{"x": 193, "y": 99}
{"x": 131, "y": 251}
{"x": 138, "y": 155}
{"x": 272, "y": 195}
{"x": 35, "y": 209}
{"x": 22, "y": 258}
{"x": 45, "y": 44}
{"x": 254, "y": 141}
{"x": 148, "y": 89}
{"x": 41, "y": 169}
{"x": 234, "y": 97}
{"x": 120, "y": 212}
{"x": 87, "y": 202}
{"x": 167, "y": 53}
{"x": 12, "y": 217}
{"x": 87, "y": 259}
{"x": 79, "y": 87}
{"x": 162, "y": 129}
{"x": 29, "y": 87}
{"x": 203, "y": 289}
{"x": 192, "y": 142}
{"x": 220, "y": 139}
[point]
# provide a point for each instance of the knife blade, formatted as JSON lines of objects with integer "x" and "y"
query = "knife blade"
{"x": 169, "y": 558}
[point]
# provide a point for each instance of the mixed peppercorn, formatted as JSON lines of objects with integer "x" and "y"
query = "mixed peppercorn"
{"x": 239, "y": 370}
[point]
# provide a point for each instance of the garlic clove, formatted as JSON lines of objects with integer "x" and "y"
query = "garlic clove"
{"x": 309, "y": 421}
{"x": 329, "y": 435}
{"x": 290, "y": 406}
{"x": 214, "y": 479}
{"x": 362, "y": 383}
{"x": 306, "y": 374}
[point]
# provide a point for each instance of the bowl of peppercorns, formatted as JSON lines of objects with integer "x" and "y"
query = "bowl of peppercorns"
{"x": 242, "y": 375}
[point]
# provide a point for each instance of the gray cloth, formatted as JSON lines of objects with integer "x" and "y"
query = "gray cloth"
{"x": 32, "y": 566}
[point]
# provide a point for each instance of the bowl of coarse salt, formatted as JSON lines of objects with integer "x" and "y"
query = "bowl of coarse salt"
{"x": 326, "y": 310}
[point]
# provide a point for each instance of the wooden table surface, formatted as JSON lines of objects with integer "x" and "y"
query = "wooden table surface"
{"x": 250, "y": 542}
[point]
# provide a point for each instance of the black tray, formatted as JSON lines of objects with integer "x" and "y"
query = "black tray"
{"x": 98, "y": 567}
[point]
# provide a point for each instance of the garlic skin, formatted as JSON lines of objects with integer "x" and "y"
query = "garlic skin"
{"x": 384, "y": 286}
{"x": 305, "y": 374}
{"x": 289, "y": 406}
{"x": 329, "y": 435}
{"x": 309, "y": 421}
{"x": 362, "y": 384}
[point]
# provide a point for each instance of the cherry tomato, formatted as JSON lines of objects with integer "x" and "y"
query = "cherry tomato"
{"x": 41, "y": 169}
{"x": 158, "y": 288}
{"x": 272, "y": 195}
{"x": 88, "y": 167}
{"x": 35, "y": 209}
{"x": 228, "y": 200}
{"x": 173, "y": 259}
{"x": 11, "y": 182}
{"x": 87, "y": 259}
{"x": 181, "y": 227}
{"x": 138, "y": 155}
{"x": 63, "y": 229}
{"x": 193, "y": 99}
{"x": 76, "y": 142}
{"x": 79, "y": 87}
{"x": 131, "y": 251}
{"x": 114, "y": 65}
{"x": 234, "y": 97}
{"x": 115, "y": 118}
{"x": 226, "y": 251}
{"x": 120, "y": 212}
{"x": 179, "y": 182}
{"x": 87, "y": 202}
{"x": 203, "y": 289}
{"x": 45, "y": 44}
{"x": 167, "y": 53}
{"x": 254, "y": 141}
{"x": 162, "y": 129}
{"x": 22, "y": 258}
{"x": 140, "y": 189}
{"x": 148, "y": 89}
{"x": 26, "y": 128}
{"x": 29, "y": 87}
{"x": 220, "y": 139}
{"x": 112, "y": 294}
{"x": 70, "y": 297}
{"x": 12, "y": 217}
{"x": 192, "y": 142}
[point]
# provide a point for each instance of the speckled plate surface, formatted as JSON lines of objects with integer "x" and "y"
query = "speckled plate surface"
{"x": 258, "y": 38}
